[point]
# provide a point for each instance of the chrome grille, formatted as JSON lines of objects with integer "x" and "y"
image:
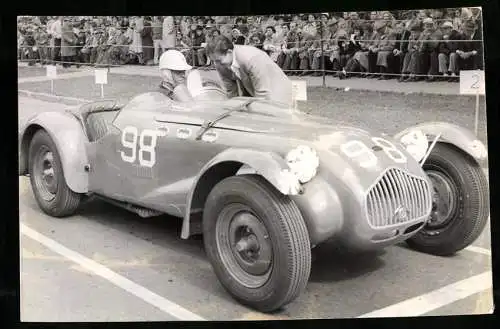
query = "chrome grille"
{"x": 395, "y": 189}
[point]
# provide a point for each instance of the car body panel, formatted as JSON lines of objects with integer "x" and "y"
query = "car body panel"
{"x": 461, "y": 137}
{"x": 255, "y": 137}
{"x": 69, "y": 137}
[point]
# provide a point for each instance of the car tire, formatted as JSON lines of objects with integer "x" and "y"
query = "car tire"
{"x": 287, "y": 249}
{"x": 52, "y": 195}
{"x": 458, "y": 180}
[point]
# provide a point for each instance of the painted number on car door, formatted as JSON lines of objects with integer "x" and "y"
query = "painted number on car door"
{"x": 141, "y": 146}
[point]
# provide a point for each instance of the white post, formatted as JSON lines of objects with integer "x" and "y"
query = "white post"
{"x": 476, "y": 123}
{"x": 102, "y": 90}
{"x": 52, "y": 86}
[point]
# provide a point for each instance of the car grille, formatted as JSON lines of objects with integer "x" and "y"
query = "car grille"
{"x": 395, "y": 194}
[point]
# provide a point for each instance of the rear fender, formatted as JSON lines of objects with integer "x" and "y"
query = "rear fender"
{"x": 69, "y": 137}
{"x": 461, "y": 137}
{"x": 228, "y": 163}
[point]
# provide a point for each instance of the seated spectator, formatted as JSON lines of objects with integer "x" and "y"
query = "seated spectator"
{"x": 352, "y": 47}
{"x": 256, "y": 40}
{"x": 289, "y": 49}
{"x": 310, "y": 26}
{"x": 384, "y": 48}
{"x": 238, "y": 37}
{"x": 271, "y": 44}
{"x": 367, "y": 42}
{"x": 338, "y": 43}
{"x": 411, "y": 57}
{"x": 241, "y": 26}
{"x": 469, "y": 53}
{"x": 428, "y": 52}
{"x": 447, "y": 48}
{"x": 401, "y": 33}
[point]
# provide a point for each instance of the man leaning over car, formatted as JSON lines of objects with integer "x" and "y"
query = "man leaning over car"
{"x": 248, "y": 71}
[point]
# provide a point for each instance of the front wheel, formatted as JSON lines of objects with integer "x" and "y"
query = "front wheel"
{"x": 51, "y": 192}
{"x": 257, "y": 242}
{"x": 460, "y": 202}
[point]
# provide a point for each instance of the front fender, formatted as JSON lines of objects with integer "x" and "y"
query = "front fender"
{"x": 267, "y": 164}
{"x": 69, "y": 137}
{"x": 461, "y": 137}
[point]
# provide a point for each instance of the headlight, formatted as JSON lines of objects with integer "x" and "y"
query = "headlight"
{"x": 416, "y": 144}
{"x": 303, "y": 162}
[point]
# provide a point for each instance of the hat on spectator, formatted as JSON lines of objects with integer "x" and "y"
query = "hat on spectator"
{"x": 327, "y": 15}
{"x": 447, "y": 24}
{"x": 174, "y": 60}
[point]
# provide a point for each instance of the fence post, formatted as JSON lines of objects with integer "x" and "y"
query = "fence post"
{"x": 322, "y": 57}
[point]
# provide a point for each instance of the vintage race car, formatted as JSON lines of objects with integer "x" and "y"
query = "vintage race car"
{"x": 263, "y": 183}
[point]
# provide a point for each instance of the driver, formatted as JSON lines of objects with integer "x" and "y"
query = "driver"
{"x": 174, "y": 70}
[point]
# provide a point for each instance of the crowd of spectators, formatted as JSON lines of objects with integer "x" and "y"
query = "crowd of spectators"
{"x": 408, "y": 45}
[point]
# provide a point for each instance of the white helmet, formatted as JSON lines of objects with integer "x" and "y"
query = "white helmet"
{"x": 174, "y": 60}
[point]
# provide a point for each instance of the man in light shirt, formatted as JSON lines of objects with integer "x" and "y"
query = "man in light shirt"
{"x": 56, "y": 32}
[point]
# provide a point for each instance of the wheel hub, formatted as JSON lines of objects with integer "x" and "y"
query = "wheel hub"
{"x": 44, "y": 174}
{"x": 443, "y": 199}
{"x": 251, "y": 245}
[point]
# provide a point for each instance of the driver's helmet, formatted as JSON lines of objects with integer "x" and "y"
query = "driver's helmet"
{"x": 174, "y": 60}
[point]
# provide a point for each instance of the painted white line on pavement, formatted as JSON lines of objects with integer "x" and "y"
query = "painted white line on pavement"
{"x": 479, "y": 250}
{"x": 146, "y": 295}
{"x": 56, "y": 97}
{"x": 433, "y": 300}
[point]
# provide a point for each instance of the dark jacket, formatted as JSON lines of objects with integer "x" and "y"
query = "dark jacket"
{"x": 450, "y": 46}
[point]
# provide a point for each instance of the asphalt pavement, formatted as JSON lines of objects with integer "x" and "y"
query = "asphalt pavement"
{"x": 106, "y": 264}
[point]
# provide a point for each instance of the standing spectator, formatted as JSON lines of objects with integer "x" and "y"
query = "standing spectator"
{"x": 136, "y": 46}
{"x": 56, "y": 32}
{"x": 168, "y": 33}
{"x": 157, "y": 30}
{"x": 147, "y": 42}
{"x": 80, "y": 43}
{"x": 68, "y": 43}
{"x": 42, "y": 44}
{"x": 28, "y": 45}
{"x": 51, "y": 44}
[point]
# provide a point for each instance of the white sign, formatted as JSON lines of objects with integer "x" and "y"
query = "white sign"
{"x": 472, "y": 82}
{"x": 299, "y": 90}
{"x": 101, "y": 76}
{"x": 51, "y": 71}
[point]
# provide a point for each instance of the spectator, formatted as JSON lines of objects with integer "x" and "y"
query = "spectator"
{"x": 136, "y": 46}
{"x": 238, "y": 37}
{"x": 290, "y": 50}
{"x": 50, "y": 36}
{"x": 468, "y": 53}
{"x": 271, "y": 45}
{"x": 411, "y": 57}
{"x": 241, "y": 26}
{"x": 337, "y": 38}
{"x": 402, "y": 34}
{"x": 157, "y": 32}
{"x": 147, "y": 42}
{"x": 56, "y": 33}
{"x": 310, "y": 26}
{"x": 80, "y": 43}
{"x": 367, "y": 42}
{"x": 168, "y": 33}
{"x": 353, "y": 46}
{"x": 428, "y": 51}
{"x": 256, "y": 40}
{"x": 42, "y": 44}
{"x": 447, "y": 47}
{"x": 384, "y": 48}
{"x": 68, "y": 43}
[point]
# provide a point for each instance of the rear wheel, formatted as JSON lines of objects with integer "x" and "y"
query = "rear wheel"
{"x": 460, "y": 202}
{"x": 52, "y": 194}
{"x": 257, "y": 242}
